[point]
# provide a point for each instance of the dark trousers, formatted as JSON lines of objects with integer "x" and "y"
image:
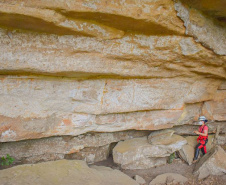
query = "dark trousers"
{"x": 202, "y": 146}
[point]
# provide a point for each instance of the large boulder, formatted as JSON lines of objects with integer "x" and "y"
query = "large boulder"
{"x": 70, "y": 172}
{"x": 159, "y": 137}
{"x": 169, "y": 178}
{"x": 213, "y": 163}
{"x": 139, "y": 180}
{"x": 139, "y": 154}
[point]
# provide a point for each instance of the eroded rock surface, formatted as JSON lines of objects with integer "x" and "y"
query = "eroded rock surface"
{"x": 169, "y": 178}
{"x": 51, "y": 107}
{"x": 70, "y": 172}
{"x": 160, "y": 137}
{"x": 205, "y": 30}
{"x": 137, "y": 153}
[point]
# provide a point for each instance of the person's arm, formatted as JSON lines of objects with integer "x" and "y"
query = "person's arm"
{"x": 202, "y": 134}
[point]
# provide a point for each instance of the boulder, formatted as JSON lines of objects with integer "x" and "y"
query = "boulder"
{"x": 158, "y": 137}
{"x": 221, "y": 139}
{"x": 213, "y": 163}
{"x": 143, "y": 162}
{"x": 139, "y": 154}
{"x": 139, "y": 180}
{"x": 70, "y": 172}
{"x": 168, "y": 178}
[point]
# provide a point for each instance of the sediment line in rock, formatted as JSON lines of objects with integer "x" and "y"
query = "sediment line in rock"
{"x": 132, "y": 56}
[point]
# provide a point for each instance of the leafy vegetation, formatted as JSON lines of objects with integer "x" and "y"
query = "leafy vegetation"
{"x": 171, "y": 158}
{"x": 5, "y": 161}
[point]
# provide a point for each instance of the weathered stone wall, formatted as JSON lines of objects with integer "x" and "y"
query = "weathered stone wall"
{"x": 72, "y": 67}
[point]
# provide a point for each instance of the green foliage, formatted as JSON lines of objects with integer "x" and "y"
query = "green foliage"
{"x": 5, "y": 161}
{"x": 171, "y": 158}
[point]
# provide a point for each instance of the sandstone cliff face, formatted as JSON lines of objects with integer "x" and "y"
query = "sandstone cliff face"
{"x": 72, "y": 67}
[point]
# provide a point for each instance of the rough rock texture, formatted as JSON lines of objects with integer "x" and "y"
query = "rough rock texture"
{"x": 205, "y": 30}
{"x": 72, "y": 67}
{"x": 221, "y": 139}
{"x": 137, "y": 153}
{"x": 159, "y": 137}
{"x": 48, "y": 107}
{"x": 70, "y": 172}
{"x": 91, "y": 154}
{"x": 188, "y": 129}
{"x": 215, "y": 108}
{"x": 91, "y": 147}
{"x": 140, "y": 180}
{"x": 169, "y": 178}
{"x": 213, "y": 163}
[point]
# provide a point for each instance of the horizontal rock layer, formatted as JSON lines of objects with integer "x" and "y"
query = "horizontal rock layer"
{"x": 35, "y": 108}
{"x": 188, "y": 129}
{"x": 95, "y": 18}
{"x": 91, "y": 147}
{"x": 133, "y": 56}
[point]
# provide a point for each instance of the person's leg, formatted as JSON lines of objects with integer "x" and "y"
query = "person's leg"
{"x": 204, "y": 148}
{"x": 203, "y": 151}
{"x": 197, "y": 148}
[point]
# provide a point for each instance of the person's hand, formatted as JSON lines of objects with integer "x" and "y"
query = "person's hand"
{"x": 196, "y": 132}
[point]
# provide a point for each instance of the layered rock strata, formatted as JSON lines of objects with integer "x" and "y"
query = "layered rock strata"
{"x": 72, "y": 67}
{"x": 92, "y": 147}
{"x": 210, "y": 32}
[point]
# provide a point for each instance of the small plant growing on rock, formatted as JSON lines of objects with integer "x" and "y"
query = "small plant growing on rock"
{"x": 171, "y": 158}
{"x": 5, "y": 161}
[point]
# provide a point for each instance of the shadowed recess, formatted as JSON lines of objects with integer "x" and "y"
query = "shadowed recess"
{"x": 215, "y": 9}
{"x": 126, "y": 24}
{"x": 19, "y": 21}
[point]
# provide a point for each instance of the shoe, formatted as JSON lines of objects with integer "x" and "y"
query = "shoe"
{"x": 194, "y": 161}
